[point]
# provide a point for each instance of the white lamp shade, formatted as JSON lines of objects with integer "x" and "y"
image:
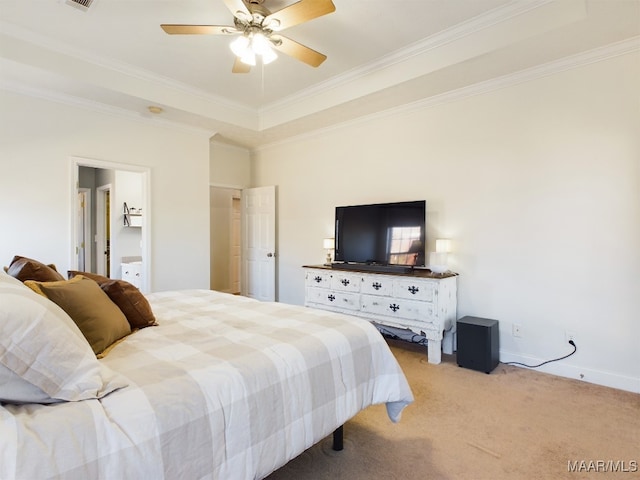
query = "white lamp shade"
{"x": 328, "y": 243}
{"x": 249, "y": 57}
{"x": 239, "y": 46}
{"x": 246, "y": 48}
{"x": 260, "y": 44}
{"x": 268, "y": 56}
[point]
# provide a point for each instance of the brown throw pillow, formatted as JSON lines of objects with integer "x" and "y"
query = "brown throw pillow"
{"x": 126, "y": 296}
{"x": 100, "y": 279}
{"x": 98, "y": 318}
{"x": 24, "y": 269}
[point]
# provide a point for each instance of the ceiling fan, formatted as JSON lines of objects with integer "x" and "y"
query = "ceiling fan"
{"x": 258, "y": 30}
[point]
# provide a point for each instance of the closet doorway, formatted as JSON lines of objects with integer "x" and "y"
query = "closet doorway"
{"x": 225, "y": 207}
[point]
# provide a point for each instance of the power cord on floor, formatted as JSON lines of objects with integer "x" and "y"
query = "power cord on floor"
{"x": 571, "y": 342}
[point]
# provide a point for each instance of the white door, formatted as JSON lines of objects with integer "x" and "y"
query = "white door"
{"x": 259, "y": 231}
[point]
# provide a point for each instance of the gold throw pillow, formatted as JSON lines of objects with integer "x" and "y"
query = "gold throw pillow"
{"x": 98, "y": 318}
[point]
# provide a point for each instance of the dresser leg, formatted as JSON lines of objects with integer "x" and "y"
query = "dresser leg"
{"x": 448, "y": 342}
{"x": 434, "y": 353}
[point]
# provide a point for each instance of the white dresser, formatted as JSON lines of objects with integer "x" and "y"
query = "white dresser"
{"x": 422, "y": 302}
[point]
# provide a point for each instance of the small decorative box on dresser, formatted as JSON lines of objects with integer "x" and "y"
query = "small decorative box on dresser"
{"x": 419, "y": 301}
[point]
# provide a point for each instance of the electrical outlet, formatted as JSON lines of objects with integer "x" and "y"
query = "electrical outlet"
{"x": 569, "y": 336}
{"x": 516, "y": 330}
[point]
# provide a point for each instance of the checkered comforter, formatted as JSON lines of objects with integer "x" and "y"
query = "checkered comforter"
{"x": 224, "y": 388}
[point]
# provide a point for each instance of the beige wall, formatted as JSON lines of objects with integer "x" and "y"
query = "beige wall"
{"x": 37, "y": 140}
{"x": 537, "y": 184}
{"x": 230, "y": 166}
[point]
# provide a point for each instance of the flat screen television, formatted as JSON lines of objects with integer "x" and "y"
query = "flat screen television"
{"x": 383, "y": 234}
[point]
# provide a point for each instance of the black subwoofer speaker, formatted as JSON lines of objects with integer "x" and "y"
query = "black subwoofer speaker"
{"x": 478, "y": 343}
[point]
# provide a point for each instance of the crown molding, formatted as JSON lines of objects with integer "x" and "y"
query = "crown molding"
{"x": 126, "y": 69}
{"x": 476, "y": 24}
{"x": 493, "y": 17}
{"x": 98, "y": 107}
{"x": 483, "y": 34}
{"x": 606, "y": 52}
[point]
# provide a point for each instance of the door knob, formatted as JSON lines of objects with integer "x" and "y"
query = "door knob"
{"x": 269, "y": 254}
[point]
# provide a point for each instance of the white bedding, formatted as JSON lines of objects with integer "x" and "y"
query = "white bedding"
{"x": 224, "y": 388}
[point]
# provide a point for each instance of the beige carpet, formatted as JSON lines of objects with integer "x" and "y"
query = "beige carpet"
{"x": 512, "y": 424}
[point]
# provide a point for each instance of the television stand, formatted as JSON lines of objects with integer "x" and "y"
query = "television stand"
{"x": 420, "y": 301}
{"x": 372, "y": 267}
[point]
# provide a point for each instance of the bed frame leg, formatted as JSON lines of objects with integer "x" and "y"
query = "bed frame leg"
{"x": 338, "y": 439}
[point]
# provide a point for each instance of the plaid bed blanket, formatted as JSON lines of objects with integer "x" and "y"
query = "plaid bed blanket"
{"x": 224, "y": 388}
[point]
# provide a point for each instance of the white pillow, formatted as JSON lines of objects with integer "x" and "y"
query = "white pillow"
{"x": 15, "y": 389}
{"x": 42, "y": 346}
{"x": 6, "y": 279}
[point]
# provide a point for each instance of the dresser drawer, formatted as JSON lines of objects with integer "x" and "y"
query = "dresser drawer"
{"x": 132, "y": 273}
{"x": 333, "y": 299}
{"x": 395, "y": 308}
{"x": 318, "y": 279}
{"x": 412, "y": 290}
{"x": 345, "y": 282}
{"x": 376, "y": 285}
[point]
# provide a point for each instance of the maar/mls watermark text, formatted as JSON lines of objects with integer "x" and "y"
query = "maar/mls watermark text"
{"x": 602, "y": 466}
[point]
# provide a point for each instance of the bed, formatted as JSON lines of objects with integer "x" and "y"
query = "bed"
{"x": 218, "y": 386}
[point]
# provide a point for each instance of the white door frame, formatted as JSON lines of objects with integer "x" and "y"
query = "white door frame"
{"x": 74, "y": 164}
{"x": 85, "y": 212}
{"x": 101, "y": 231}
{"x": 235, "y": 235}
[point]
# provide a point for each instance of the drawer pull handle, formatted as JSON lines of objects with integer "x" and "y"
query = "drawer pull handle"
{"x": 344, "y": 282}
{"x": 376, "y": 285}
{"x": 317, "y": 279}
{"x": 394, "y": 307}
{"x": 331, "y": 297}
{"x": 413, "y": 290}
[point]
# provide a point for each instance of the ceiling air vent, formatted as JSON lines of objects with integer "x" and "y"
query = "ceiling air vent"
{"x": 81, "y": 4}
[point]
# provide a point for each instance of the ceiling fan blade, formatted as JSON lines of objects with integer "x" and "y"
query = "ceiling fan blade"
{"x": 299, "y": 12}
{"x": 299, "y": 51}
{"x": 236, "y": 6}
{"x": 175, "y": 29}
{"x": 240, "y": 67}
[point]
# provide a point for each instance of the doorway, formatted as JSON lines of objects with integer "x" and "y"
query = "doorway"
{"x": 84, "y": 230}
{"x": 242, "y": 232}
{"x": 111, "y": 185}
{"x": 103, "y": 230}
{"x": 225, "y": 209}
{"x": 236, "y": 244}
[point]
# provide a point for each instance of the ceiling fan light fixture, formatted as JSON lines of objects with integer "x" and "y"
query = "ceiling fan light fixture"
{"x": 239, "y": 46}
{"x": 268, "y": 56}
{"x": 255, "y": 25}
{"x": 260, "y": 44}
{"x": 248, "y": 57}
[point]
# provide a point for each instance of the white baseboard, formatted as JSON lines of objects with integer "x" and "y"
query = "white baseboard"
{"x": 598, "y": 377}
